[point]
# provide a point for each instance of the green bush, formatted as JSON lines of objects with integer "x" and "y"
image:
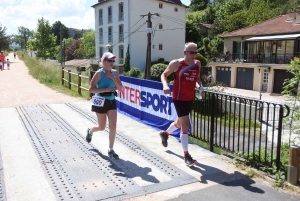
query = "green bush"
{"x": 202, "y": 59}
{"x": 157, "y": 70}
{"x": 159, "y": 61}
{"x": 134, "y": 72}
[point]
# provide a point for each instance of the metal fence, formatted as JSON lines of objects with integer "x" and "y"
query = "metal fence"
{"x": 250, "y": 127}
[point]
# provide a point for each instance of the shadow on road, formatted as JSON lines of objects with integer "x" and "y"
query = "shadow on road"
{"x": 128, "y": 169}
{"x": 216, "y": 175}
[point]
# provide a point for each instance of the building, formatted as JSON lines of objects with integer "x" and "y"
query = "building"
{"x": 119, "y": 23}
{"x": 74, "y": 33}
{"x": 256, "y": 57}
{"x": 206, "y": 30}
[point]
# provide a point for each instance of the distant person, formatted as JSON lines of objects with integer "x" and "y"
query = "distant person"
{"x": 2, "y": 58}
{"x": 104, "y": 84}
{"x": 14, "y": 54}
{"x": 1, "y": 65}
{"x": 187, "y": 74}
{"x": 8, "y": 64}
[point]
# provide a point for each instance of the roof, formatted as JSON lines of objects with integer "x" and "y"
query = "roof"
{"x": 178, "y": 2}
{"x": 77, "y": 62}
{"x": 276, "y": 25}
{"x": 209, "y": 26}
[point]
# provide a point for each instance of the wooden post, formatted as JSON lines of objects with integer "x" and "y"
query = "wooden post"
{"x": 62, "y": 76}
{"x": 79, "y": 83}
{"x": 295, "y": 158}
{"x": 69, "y": 80}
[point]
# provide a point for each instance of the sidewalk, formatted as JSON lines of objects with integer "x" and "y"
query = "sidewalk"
{"x": 26, "y": 178}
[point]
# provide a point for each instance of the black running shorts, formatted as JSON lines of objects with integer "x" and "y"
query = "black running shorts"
{"x": 183, "y": 108}
{"x": 108, "y": 105}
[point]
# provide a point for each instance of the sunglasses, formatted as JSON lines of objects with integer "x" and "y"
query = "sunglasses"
{"x": 191, "y": 52}
{"x": 109, "y": 60}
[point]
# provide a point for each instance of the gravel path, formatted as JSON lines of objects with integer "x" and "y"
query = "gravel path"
{"x": 18, "y": 87}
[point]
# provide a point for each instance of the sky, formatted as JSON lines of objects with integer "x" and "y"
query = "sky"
{"x": 72, "y": 13}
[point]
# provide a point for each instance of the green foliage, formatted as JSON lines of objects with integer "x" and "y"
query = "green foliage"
{"x": 159, "y": 61}
{"x": 127, "y": 60}
{"x": 134, "y": 72}
{"x": 290, "y": 89}
{"x": 202, "y": 59}
{"x": 217, "y": 44}
{"x": 4, "y": 40}
{"x": 197, "y": 5}
{"x": 23, "y": 36}
{"x": 192, "y": 31}
{"x": 87, "y": 47}
{"x": 55, "y": 29}
{"x": 44, "y": 40}
{"x": 157, "y": 70}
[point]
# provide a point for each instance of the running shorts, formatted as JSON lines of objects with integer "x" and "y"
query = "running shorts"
{"x": 108, "y": 105}
{"x": 183, "y": 108}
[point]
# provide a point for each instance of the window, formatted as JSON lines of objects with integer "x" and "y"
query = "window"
{"x": 160, "y": 5}
{"x": 109, "y": 14}
{"x": 121, "y": 33}
{"x": 160, "y": 26}
{"x": 121, "y": 54}
{"x": 176, "y": 9}
{"x": 110, "y": 39}
{"x": 100, "y": 52}
{"x": 100, "y": 36}
{"x": 121, "y": 12}
{"x": 160, "y": 47}
{"x": 100, "y": 17}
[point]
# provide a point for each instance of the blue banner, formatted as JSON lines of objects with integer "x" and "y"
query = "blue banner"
{"x": 145, "y": 101}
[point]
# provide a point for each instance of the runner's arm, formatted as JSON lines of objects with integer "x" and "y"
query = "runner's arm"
{"x": 172, "y": 67}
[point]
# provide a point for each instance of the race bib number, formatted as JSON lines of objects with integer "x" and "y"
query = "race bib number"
{"x": 98, "y": 101}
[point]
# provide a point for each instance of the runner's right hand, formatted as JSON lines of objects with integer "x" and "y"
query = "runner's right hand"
{"x": 167, "y": 90}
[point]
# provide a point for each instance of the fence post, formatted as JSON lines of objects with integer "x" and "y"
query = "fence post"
{"x": 279, "y": 137}
{"x": 212, "y": 123}
{"x": 79, "y": 83}
{"x": 293, "y": 167}
{"x": 69, "y": 80}
{"x": 62, "y": 75}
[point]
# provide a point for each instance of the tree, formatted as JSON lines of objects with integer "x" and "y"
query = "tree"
{"x": 4, "y": 40}
{"x": 70, "y": 50}
{"x": 197, "y": 5}
{"x": 87, "y": 47}
{"x": 56, "y": 31}
{"x": 23, "y": 36}
{"x": 127, "y": 60}
{"x": 44, "y": 40}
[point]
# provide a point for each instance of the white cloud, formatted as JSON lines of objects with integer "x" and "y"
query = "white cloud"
{"x": 72, "y": 13}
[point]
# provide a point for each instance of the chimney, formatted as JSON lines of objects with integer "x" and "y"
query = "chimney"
{"x": 291, "y": 15}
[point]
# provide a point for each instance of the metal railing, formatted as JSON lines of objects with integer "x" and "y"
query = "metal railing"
{"x": 110, "y": 19}
{"x": 255, "y": 58}
{"x": 121, "y": 16}
{"x": 250, "y": 127}
{"x": 121, "y": 37}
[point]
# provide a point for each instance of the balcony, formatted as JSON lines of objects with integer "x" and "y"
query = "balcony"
{"x": 268, "y": 58}
{"x": 121, "y": 16}
{"x": 121, "y": 37}
{"x": 110, "y": 19}
{"x": 121, "y": 60}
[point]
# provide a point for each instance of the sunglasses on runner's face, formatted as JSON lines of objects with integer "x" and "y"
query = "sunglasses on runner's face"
{"x": 191, "y": 52}
{"x": 110, "y": 60}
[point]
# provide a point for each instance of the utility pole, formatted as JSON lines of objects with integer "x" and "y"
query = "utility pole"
{"x": 148, "y": 55}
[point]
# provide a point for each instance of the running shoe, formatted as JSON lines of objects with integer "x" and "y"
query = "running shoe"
{"x": 89, "y": 136}
{"x": 112, "y": 154}
{"x": 189, "y": 161}
{"x": 164, "y": 138}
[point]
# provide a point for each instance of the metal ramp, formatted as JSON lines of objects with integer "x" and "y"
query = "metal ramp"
{"x": 76, "y": 170}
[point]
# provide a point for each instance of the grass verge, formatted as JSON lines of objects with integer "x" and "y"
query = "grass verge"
{"x": 49, "y": 74}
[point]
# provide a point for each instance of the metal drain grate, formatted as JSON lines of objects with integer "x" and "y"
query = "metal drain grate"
{"x": 2, "y": 185}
